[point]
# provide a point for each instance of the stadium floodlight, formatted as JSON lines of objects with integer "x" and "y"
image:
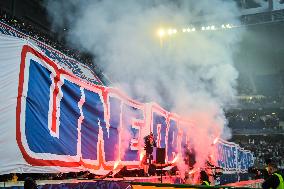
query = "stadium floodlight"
{"x": 193, "y": 29}
{"x": 213, "y": 27}
{"x": 202, "y": 28}
{"x": 208, "y": 28}
{"x": 223, "y": 26}
{"x": 161, "y": 32}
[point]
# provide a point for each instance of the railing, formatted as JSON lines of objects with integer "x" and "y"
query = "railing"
{"x": 128, "y": 184}
{"x": 248, "y": 183}
{"x": 137, "y": 185}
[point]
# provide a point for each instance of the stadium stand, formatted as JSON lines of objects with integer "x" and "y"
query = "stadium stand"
{"x": 264, "y": 147}
{"x": 55, "y": 50}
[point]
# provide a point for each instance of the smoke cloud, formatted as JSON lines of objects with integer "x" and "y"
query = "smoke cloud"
{"x": 191, "y": 74}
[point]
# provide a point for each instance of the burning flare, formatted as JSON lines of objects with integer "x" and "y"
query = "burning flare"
{"x": 116, "y": 164}
{"x": 141, "y": 155}
{"x": 193, "y": 171}
{"x": 175, "y": 159}
{"x": 215, "y": 140}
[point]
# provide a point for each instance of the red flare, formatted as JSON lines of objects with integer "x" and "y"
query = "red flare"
{"x": 141, "y": 155}
{"x": 115, "y": 165}
{"x": 175, "y": 159}
{"x": 215, "y": 140}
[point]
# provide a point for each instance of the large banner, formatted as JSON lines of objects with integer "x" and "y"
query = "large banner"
{"x": 232, "y": 158}
{"x": 54, "y": 121}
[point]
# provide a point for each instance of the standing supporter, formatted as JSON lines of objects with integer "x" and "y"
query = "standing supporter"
{"x": 204, "y": 179}
{"x": 30, "y": 183}
{"x": 275, "y": 180}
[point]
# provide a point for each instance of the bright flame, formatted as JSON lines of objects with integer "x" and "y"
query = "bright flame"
{"x": 175, "y": 159}
{"x": 115, "y": 165}
{"x": 215, "y": 140}
{"x": 192, "y": 171}
{"x": 142, "y": 153}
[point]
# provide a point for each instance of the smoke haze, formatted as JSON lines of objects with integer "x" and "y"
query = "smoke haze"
{"x": 191, "y": 74}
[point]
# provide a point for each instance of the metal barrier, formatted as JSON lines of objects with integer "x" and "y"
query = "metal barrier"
{"x": 138, "y": 185}
{"x": 118, "y": 185}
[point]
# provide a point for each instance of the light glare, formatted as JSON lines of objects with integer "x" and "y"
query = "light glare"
{"x": 161, "y": 32}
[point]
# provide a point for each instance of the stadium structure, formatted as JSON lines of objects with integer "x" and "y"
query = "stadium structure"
{"x": 63, "y": 124}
